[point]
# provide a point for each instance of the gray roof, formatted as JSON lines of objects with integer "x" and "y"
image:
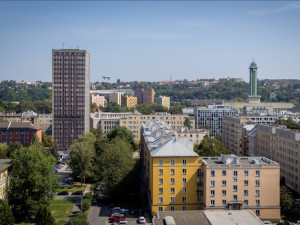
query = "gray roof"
{"x": 182, "y": 217}
{"x": 17, "y": 125}
{"x": 4, "y": 163}
{"x": 276, "y": 105}
{"x": 232, "y": 217}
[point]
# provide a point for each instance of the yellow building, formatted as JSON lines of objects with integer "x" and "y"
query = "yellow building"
{"x": 172, "y": 169}
{"x": 235, "y": 183}
{"x": 164, "y": 101}
{"x": 5, "y": 169}
{"x": 133, "y": 122}
{"x": 129, "y": 101}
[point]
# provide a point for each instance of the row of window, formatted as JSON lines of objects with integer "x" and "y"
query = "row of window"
{"x": 161, "y": 162}
{"x": 224, "y": 183}
{"x": 161, "y": 171}
{"x": 235, "y": 198}
{"x": 224, "y": 192}
{"x": 235, "y": 173}
{"x": 161, "y": 181}
{"x": 172, "y": 208}
{"x": 172, "y": 200}
{"x": 172, "y": 190}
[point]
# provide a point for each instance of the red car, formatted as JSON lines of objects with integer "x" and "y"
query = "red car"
{"x": 114, "y": 217}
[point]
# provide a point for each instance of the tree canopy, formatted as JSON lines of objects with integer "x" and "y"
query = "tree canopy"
{"x": 210, "y": 147}
{"x": 6, "y": 216}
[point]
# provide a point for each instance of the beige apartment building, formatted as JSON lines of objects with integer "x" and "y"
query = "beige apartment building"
{"x": 116, "y": 97}
{"x": 99, "y": 100}
{"x": 234, "y": 183}
{"x": 283, "y": 146}
{"x": 133, "y": 122}
{"x": 129, "y": 101}
{"x": 196, "y": 135}
{"x": 164, "y": 101}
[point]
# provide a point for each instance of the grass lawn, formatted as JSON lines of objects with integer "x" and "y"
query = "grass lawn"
{"x": 61, "y": 211}
{"x": 61, "y": 222}
{"x": 63, "y": 201}
{"x": 76, "y": 187}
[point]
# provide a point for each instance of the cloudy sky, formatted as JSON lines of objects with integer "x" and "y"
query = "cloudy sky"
{"x": 152, "y": 40}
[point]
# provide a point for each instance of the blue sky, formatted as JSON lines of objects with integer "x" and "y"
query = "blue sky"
{"x": 152, "y": 40}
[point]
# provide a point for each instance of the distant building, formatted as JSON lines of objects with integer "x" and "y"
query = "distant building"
{"x": 115, "y": 97}
{"x": 70, "y": 94}
{"x": 11, "y": 117}
{"x": 129, "y": 101}
{"x": 44, "y": 122}
{"x": 253, "y": 79}
{"x": 235, "y": 80}
{"x": 164, "y": 101}
{"x": 282, "y": 145}
{"x": 99, "y": 100}
{"x": 196, "y": 136}
{"x": 211, "y": 117}
{"x": 148, "y": 96}
{"x": 16, "y": 132}
{"x": 5, "y": 171}
{"x": 139, "y": 94}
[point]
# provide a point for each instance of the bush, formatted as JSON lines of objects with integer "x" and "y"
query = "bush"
{"x": 86, "y": 204}
{"x": 79, "y": 219}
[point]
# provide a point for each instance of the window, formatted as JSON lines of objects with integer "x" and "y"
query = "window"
{"x": 183, "y": 208}
{"x": 246, "y": 202}
{"x": 160, "y": 190}
{"x": 172, "y": 180}
{"x": 172, "y": 199}
{"x": 172, "y": 171}
{"x": 184, "y": 190}
{"x": 246, "y": 192}
{"x": 172, "y": 208}
{"x": 212, "y": 183}
{"x": 172, "y": 162}
{"x": 235, "y": 173}
{"x": 184, "y": 180}
{"x": 224, "y": 173}
{"x": 257, "y": 193}
{"x": 184, "y": 199}
{"x": 257, "y": 173}
{"x": 161, "y": 162}
{"x": 212, "y": 193}
{"x": 160, "y": 200}
{"x": 257, "y": 202}
{"x": 223, "y": 182}
{"x": 235, "y": 197}
{"x": 257, "y": 212}
{"x": 223, "y": 192}
{"x": 235, "y": 179}
{"x": 212, "y": 202}
{"x": 172, "y": 190}
{"x": 161, "y": 171}
{"x": 246, "y": 173}
{"x": 160, "y": 181}
{"x": 235, "y": 187}
{"x": 246, "y": 182}
{"x": 257, "y": 183}
{"x": 184, "y": 162}
{"x": 184, "y": 171}
{"x": 212, "y": 173}
{"x": 160, "y": 208}
{"x": 224, "y": 202}
{"x": 198, "y": 199}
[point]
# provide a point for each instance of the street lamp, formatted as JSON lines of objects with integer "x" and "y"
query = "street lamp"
{"x": 81, "y": 203}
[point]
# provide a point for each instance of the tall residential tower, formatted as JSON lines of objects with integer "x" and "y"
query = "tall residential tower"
{"x": 70, "y": 95}
{"x": 253, "y": 78}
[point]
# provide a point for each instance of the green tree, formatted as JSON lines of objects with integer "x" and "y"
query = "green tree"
{"x": 121, "y": 132}
{"x": 113, "y": 165}
{"x": 12, "y": 148}
{"x": 32, "y": 182}
{"x": 79, "y": 219}
{"x": 286, "y": 199}
{"x": 210, "y": 147}
{"x": 3, "y": 150}
{"x": 187, "y": 122}
{"x": 6, "y": 216}
{"x": 43, "y": 216}
{"x": 82, "y": 155}
{"x": 86, "y": 204}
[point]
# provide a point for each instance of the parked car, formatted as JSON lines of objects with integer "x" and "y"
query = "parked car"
{"x": 63, "y": 193}
{"x": 267, "y": 222}
{"x": 77, "y": 193}
{"x": 55, "y": 170}
{"x": 123, "y": 222}
{"x": 141, "y": 220}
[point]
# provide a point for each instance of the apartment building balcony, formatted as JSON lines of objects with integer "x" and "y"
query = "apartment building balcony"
{"x": 199, "y": 183}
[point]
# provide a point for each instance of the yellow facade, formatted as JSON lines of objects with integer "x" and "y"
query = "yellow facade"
{"x": 164, "y": 101}
{"x": 129, "y": 101}
{"x": 4, "y": 175}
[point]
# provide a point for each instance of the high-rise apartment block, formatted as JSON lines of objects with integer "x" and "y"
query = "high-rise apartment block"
{"x": 211, "y": 117}
{"x": 164, "y": 101}
{"x": 70, "y": 95}
{"x": 129, "y": 101}
{"x": 144, "y": 96}
{"x": 283, "y": 146}
{"x": 115, "y": 97}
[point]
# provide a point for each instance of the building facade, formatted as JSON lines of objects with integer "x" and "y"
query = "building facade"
{"x": 211, "y": 118}
{"x": 196, "y": 136}
{"x": 234, "y": 183}
{"x": 164, "y": 101}
{"x": 139, "y": 94}
{"x": 129, "y": 101}
{"x": 70, "y": 95}
{"x": 16, "y": 132}
{"x": 5, "y": 171}
{"x": 148, "y": 96}
{"x": 283, "y": 146}
{"x": 99, "y": 100}
{"x": 115, "y": 97}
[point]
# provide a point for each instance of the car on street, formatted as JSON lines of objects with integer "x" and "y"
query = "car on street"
{"x": 267, "y": 222}
{"x": 141, "y": 220}
{"x": 77, "y": 193}
{"x": 63, "y": 193}
{"x": 123, "y": 222}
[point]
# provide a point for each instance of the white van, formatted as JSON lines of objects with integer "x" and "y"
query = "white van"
{"x": 297, "y": 201}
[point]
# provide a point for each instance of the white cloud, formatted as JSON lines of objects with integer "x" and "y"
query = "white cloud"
{"x": 288, "y": 7}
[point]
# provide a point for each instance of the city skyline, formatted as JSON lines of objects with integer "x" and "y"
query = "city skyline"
{"x": 152, "y": 41}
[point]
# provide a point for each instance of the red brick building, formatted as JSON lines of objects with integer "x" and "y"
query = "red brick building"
{"x": 16, "y": 132}
{"x": 144, "y": 96}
